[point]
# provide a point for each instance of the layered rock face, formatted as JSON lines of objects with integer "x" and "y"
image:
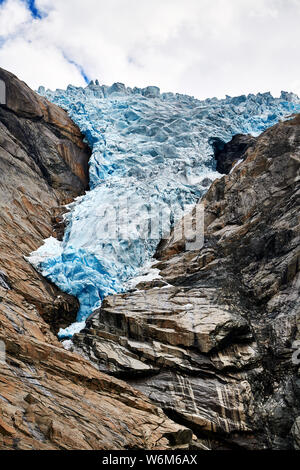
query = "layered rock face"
{"x": 44, "y": 165}
{"x": 51, "y": 398}
{"x": 212, "y": 340}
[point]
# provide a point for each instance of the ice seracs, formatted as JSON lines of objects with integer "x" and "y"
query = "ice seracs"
{"x": 151, "y": 160}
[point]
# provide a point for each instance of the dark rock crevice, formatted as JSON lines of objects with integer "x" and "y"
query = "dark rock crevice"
{"x": 227, "y": 154}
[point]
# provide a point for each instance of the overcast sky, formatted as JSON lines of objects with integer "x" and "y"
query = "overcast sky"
{"x": 203, "y": 48}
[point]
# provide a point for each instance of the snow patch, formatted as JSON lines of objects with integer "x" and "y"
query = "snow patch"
{"x": 70, "y": 331}
{"x": 235, "y": 165}
{"x": 151, "y": 275}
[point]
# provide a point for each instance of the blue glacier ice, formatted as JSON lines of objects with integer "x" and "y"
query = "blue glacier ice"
{"x": 151, "y": 161}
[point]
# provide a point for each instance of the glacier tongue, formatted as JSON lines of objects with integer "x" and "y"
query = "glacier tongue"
{"x": 151, "y": 161}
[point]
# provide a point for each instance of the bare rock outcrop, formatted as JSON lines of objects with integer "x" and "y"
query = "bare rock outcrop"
{"x": 43, "y": 166}
{"x": 212, "y": 341}
{"x": 51, "y": 398}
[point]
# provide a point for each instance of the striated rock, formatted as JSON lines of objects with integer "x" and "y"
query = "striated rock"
{"x": 51, "y": 398}
{"x": 58, "y": 131}
{"x": 296, "y": 433}
{"x": 212, "y": 342}
{"x": 36, "y": 183}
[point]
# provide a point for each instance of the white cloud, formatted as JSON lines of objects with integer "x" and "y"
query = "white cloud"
{"x": 37, "y": 65}
{"x": 13, "y": 15}
{"x": 198, "y": 47}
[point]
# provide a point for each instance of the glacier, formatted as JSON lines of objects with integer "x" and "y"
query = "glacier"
{"x": 151, "y": 161}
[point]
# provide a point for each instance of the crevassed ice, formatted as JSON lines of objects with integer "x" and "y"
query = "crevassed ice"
{"x": 151, "y": 160}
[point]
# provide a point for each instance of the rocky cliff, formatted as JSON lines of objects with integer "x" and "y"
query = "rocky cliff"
{"x": 212, "y": 339}
{"x": 51, "y": 398}
{"x": 204, "y": 356}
